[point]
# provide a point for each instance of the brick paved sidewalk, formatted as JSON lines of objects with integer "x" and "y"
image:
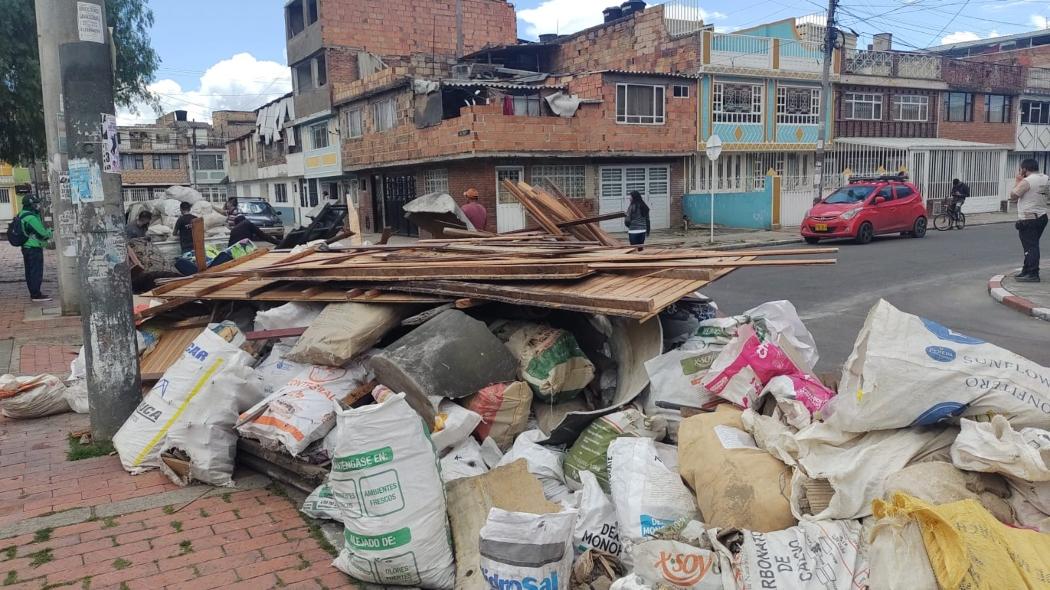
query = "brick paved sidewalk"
{"x": 34, "y": 338}
{"x": 88, "y": 524}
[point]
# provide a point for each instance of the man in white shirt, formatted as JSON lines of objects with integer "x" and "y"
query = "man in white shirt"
{"x": 1031, "y": 195}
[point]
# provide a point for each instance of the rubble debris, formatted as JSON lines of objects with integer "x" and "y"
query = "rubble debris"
{"x": 594, "y": 570}
{"x": 596, "y": 526}
{"x": 939, "y": 482}
{"x": 549, "y": 359}
{"x": 590, "y": 451}
{"x": 32, "y": 397}
{"x": 648, "y": 495}
{"x": 342, "y": 331}
{"x": 504, "y": 410}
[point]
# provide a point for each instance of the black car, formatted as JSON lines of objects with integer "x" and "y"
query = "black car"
{"x": 263, "y": 215}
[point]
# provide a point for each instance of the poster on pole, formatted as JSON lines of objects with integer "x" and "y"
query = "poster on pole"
{"x": 85, "y": 181}
{"x": 110, "y": 144}
{"x": 90, "y": 22}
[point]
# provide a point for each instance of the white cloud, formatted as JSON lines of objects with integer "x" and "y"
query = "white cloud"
{"x": 1040, "y": 21}
{"x": 568, "y": 16}
{"x": 240, "y": 82}
{"x": 960, "y": 37}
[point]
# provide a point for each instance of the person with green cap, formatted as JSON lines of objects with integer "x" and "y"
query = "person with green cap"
{"x": 36, "y": 237}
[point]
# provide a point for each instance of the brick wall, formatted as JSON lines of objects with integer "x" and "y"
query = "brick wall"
{"x": 227, "y": 124}
{"x": 485, "y": 129}
{"x": 639, "y": 43}
{"x": 404, "y": 27}
{"x": 150, "y": 176}
{"x": 978, "y": 129}
{"x": 887, "y": 126}
{"x": 1038, "y": 57}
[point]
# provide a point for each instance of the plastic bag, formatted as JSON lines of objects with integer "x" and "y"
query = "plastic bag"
{"x": 778, "y": 321}
{"x": 321, "y": 503}
{"x": 32, "y": 397}
{"x": 677, "y": 377}
{"x": 504, "y": 410}
{"x": 550, "y": 360}
{"x": 345, "y": 330}
{"x": 76, "y": 395}
{"x": 995, "y": 447}
{"x": 909, "y": 371}
{"x": 897, "y": 556}
{"x": 453, "y": 423}
{"x": 289, "y": 315}
{"x": 672, "y": 564}
{"x": 647, "y": 494}
{"x": 463, "y": 460}
{"x": 589, "y": 452}
{"x": 745, "y": 366}
{"x": 544, "y": 462}
{"x": 596, "y": 527}
{"x": 522, "y": 550}
{"x": 385, "y": 475}
{"x": 800, "y": 398}
{"x": 275, "y": 371}
{"x": 303, "y": 410}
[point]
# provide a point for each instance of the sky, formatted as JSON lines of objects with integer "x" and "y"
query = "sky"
{"x": 229, "y": 54}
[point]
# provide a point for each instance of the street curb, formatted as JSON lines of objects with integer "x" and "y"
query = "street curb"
{"x": 1000, "y": 294}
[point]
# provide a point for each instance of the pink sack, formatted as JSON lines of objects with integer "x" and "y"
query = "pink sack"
{"x": 744, "y": 367}
{"x": 800, "y": 397}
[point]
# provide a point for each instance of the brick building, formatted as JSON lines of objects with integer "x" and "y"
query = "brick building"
{"x": 259, "y": 161}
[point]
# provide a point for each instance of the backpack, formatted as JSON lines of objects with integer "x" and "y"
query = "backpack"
{"x": 16, "y": 232}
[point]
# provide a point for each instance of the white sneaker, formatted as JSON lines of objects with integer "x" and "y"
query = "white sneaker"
{"x": 41, "y": 299}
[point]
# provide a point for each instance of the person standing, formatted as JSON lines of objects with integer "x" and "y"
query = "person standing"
{"x": 36, "y": 237}
{"x": 474, "y": 210}
{"x": 232, "y": 211}
{"x": 637, "y": 220}
{"x": 1031, "y": 194}
{"x": 139, "y": 227}
{"x": 184, "y": 227}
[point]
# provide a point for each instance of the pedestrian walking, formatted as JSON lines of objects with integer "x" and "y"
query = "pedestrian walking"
{"x": 637, "y": 220}
{"x": 184, "y": 227}
{"x": 474, "y": 210}
{"x": 28, "y": 231}
{"x": 1032, "y": 195}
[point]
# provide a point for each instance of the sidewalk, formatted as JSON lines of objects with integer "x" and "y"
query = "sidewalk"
{"x": 1029, "y": 298}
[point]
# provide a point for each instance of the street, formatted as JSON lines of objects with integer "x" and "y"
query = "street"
{"x": 943, "y": 277}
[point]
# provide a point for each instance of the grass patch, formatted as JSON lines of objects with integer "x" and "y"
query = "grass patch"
{"x": 185, "y": 547}
{"x": 312, "y": 525}
{"x": 227, "y": 497}
{"x": 280, "y": 582}
{"x": 86, "y": 583}
{"x": 41, "y": 557}
{"x": 53, "y": 586}
{"x": 177, "y": 525}
{"x": 124, "y": 586}
{"x": 205, "y": 513}
{"x": 169, "y": 509}
{"x": 196, "y": 572}
{"x": 11, "y": 578}
{"x": 303, "y": 563}
{"x": 236, "y": 513}
{"x": 43, "y": 535}
{"x": 109, "y": 522}
{"x": 121, "y": 564}
{"x": 78, "y": 451}
{"x": 10, "y": 552}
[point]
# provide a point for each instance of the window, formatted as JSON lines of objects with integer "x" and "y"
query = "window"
{"x": 996, "y": 108}
{"x": 322, "y": 70}
{"x": 319, "y": 136}
{"x": 570, "y": 181}
{"x": 311, "y": 11}
{"x": 863, "y": 107}
{"x": 886, "y": 192}
{"x": 435, "y": 181}
{"x": 737, "y": 103}
{"x": 295, "y": 141}
{"x": 313, "y": 192}
{"x": 214, "y": 194}
{"x": 639, "y": 105}
{"x": 798, "y": 105}
{"x": 166, "y": 162}
{"x": 294, "y": 17}
{"x": 304, "y": 77}
{"x": 908, "y": 107}
{"x": 5, "y": 196}
{"x": 384, "y": 114}
{"x": 1035, "y": 112}
{"x": 135, "y": 195}
{"x": 903, "y": 192}
{"x": 849, "y": 194}
{"x": 354, "y": 126}
{"x": 681, "y": 91}
{"x": 527, "y": 105}
{"x": 958, "y": 106}
{"x": 209, "y": 162}
{"x": 280, "y": 193}
{"x": 131, "y": 162}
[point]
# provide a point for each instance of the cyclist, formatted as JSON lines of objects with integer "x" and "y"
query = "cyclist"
{"x": 960, "y": 192}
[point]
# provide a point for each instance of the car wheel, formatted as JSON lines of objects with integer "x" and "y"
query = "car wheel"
{"x": 811, "y": 240}
{"x": 865, "y": 233}
{"x": 919, "y": 228}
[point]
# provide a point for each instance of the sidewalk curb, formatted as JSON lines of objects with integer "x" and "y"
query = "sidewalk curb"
{"x": 1000, "y": 294}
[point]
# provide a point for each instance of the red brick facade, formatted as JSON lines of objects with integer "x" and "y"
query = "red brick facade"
{"x": 979, "y": 129}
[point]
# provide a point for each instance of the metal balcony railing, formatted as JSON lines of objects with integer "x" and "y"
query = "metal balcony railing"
{"x": 745, "y": 52}
{"x": 1038, "y": 79}
{"x": 893, "y": 64}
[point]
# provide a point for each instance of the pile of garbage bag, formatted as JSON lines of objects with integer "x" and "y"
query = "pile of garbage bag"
{"x": 508, "y": 447}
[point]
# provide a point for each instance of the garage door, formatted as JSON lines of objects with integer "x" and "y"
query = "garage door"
{"x": 616, "y": 184}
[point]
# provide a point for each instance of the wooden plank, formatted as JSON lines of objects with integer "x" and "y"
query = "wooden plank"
{"x": 168, "y": 349}
{"x": 279, "y": 333}
{"x": 534, "y": 210}
{"x": 211, "y": 272}
{"x": 197, "y": 233}
{"x": 613, "y": 266}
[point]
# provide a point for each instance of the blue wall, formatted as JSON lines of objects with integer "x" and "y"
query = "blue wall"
{"x": 752, "y": 210}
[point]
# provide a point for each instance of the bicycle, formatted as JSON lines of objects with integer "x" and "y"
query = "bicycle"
{"x": 951, "y": 217}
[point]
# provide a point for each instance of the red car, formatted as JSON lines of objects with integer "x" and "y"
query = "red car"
{"x": 865, "y": 208}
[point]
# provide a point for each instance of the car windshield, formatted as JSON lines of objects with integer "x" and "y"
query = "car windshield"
{"x": 849, "y": 194}
{"x": 255, "y": 208}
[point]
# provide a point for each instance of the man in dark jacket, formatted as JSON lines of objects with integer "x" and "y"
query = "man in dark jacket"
{"x": 184, "y": 227}
{"x": 37, "y": 236}
{"x": 244, "y": 229}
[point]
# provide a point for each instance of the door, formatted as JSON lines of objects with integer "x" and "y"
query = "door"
{"x": 881, "y": 214}
{"x": 397, "y": 191}
{"x": 376, "y": 222}
{"x": 616, "y": 184}
{"x": 510, "y": 215}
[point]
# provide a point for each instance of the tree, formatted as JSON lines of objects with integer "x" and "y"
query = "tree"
{"x": 21, "y": 111}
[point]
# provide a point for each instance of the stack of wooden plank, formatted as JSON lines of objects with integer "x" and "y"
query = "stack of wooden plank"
{"x": 555, "y": 213}
{"x": 526, "y": 269}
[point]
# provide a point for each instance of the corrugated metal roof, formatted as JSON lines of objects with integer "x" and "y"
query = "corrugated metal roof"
{"x": 646, "y": 73}
{"x": 500, "y": 85}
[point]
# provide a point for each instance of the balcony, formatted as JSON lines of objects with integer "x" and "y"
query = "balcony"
{"x": 893, "y": 64}
{"x": 1038, "y": 81}
{"x": 730, "y": 53}
{"x": 983, "y": 77}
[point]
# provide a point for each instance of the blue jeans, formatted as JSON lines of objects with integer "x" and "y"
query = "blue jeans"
{"x": 636, "y": 239}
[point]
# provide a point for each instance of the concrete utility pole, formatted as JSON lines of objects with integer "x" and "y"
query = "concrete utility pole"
{"x": 56, "y": 23}
{"x": 826, "y": 99}
{"x": 114, "y": 389}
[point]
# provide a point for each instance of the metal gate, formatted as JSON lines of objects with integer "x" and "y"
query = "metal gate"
{"x": 397, "y": 191}
{"x": 796, "y": 197}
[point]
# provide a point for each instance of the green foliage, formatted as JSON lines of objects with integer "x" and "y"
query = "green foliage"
{"x": 78, "y": 451}
{"x": 41, "y": 557}
{"x": 22, "y": 124}
{"x": 11, "y": 578}
{"x": 121, "y": 564}
{"x": 42, "y": 535}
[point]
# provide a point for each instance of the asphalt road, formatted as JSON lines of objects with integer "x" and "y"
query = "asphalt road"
{"x": 943, "y": 277}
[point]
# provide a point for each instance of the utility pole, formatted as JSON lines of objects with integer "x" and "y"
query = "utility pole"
{"x": 114, "y": 388}
{"x": 826, "y": 99}
{"x": 56, "y": 23}
{"x": 193, "y": 158}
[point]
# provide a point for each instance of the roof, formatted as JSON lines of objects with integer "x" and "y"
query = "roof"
{"x": 919, "y": 143}
{"x": 991, "y": 41}
{"x": 499, "y": 84}
{"x": 647, "y": 73}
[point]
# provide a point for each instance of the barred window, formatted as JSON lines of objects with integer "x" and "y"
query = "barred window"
{"x": 570, "y": 181}
{"x": 737, "y": 103}
{"x": 435, "y": 181}
{"x": 798, "y": 105}
{"x": 862, "y": 106}
{"x": 908, "y": 107}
